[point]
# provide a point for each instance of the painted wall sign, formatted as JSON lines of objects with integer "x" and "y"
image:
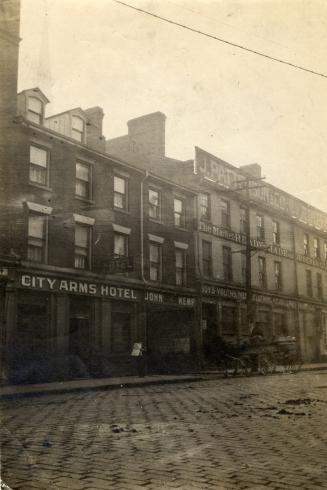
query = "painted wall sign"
{"x": 218, "y": 291}
{"x": 78, "y": 287}
{"x": 168, "y": 299}
{"x": 233, "y": 236}
{"x": 225, "y": 175}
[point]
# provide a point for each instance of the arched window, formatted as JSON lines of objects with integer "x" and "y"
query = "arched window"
{"x": 78, "y": 128}
{"x": 34, "y": 110}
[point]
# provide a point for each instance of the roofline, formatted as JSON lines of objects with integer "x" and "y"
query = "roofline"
{"x": 34, "y": 88}
{"x": 59, "y": 136}
{"x": 266, "y": 183}
{"x": 66, "y": 112}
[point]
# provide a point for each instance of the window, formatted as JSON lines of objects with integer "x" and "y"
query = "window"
{"x": 82, "y": 246}
{"x": 180, "y": 261}
{"x": 120, "y": 245}
{"x": 319, "y": 286}
{"x": 204, "y": 206}
{"x": 207, "y": 258}
{"x": 229, "y": 321}
{"x": 77, "y": 128}
{"x": 37, "y": 231}
{"x": 260, "y": 227}
{"x": 316, "y": 248}
{"x": 120, "y": 192}
{"x": 83, "y": 180}
{"x": 262, "y": 272}
{"x": 225, "y": 214}
{"x": 227, "y": 264}
{"x": 243, "y": 221}
{"x": 243, "y": 268}
{"x": 278, "y": 275}
{"x": 155, "y": 262}
{"x": 276, "y": 232}
{"x": 325, "y": 252}
{"x": 179, "y": 213}
{"x": 154, "y": 204}
{"x": 38, "y": 165}
{"x": 306, "y": 249}
{"x": 309, "y": 282}
{"x": 34, "y": 110}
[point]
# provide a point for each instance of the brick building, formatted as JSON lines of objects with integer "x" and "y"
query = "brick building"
{"x": 95, "y": 254}
{"x": 288, "y": 242}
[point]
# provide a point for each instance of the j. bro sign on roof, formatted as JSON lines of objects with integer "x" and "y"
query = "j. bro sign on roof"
{"x": 226, "y": 175}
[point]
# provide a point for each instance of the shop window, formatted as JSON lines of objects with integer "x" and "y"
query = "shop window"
{"x": 120, "y": 333}
{"x": 83, "y": 185}
{"x": 204, "y": 201}
{"x": 227, "y": 264}
{"x": 260, "y": 227}
{"x": 319, "y": 286}
{"x": 155, "y": 262}
{"x": 316, "y": 248}
{"x": 243, "y": 221}
{"x": 276, "y": 232}
{"x": 229, "y": 321}
{"x": 154, "y": 204}
{"x": 37, "y": 238}
{"x": 33, "y": 339}
{"x": 179, "y": 213}
{"x": 207, "y": 258}
{"x": 225, "y": 214}
{"x": 120, "y": 192}
{"x": 180, "y": 261}
{"x": 306, "y": 248}
{"x": 39, "y": 166}
{"x": 262, "y": 273}
{"x": 280, "y": 323}
{"x": 78, "y": 129}
{"x": 278, "y": 275}
{"x": 34, "y": 110}
{"x": 82, "y": 246}
{"x": 309, "y": 283}
{"x": 120, "y": 245}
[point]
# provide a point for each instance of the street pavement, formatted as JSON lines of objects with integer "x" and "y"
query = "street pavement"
{"x": 218, "y": 434}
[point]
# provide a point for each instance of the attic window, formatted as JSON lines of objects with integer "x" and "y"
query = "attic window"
{"x": 77, "y": 128}
{"x": 34, "y": 110}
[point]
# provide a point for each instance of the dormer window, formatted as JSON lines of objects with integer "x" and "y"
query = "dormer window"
{"x": 78, "y": 128}
{"x": 34, "y": 110}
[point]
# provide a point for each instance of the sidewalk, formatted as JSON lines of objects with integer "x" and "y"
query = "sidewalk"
{"x": 90, "y": 384}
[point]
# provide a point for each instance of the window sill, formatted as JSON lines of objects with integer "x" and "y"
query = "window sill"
{"x": 121, "y": 210}
{"x": 84, "y": 199}
{"x": 181, "y": 228}
{"x": 153, "y": 220}
{"x": 41, "y": 186}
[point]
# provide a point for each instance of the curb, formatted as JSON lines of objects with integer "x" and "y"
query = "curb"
{"x": 204, "y": 376}
{"x": 104, "y": 387}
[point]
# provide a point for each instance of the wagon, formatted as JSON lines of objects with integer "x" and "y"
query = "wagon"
{"x": 258, "y": 356}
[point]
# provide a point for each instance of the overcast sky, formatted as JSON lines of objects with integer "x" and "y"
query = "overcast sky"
{"x": 239, "y": 106}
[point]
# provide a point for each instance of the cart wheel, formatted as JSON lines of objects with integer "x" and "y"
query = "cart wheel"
{"x": 294, "y": 365}
{"x": 267, "y": 366}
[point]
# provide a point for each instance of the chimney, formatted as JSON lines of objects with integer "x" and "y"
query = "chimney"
{"x": 253, "y": 170}
{"x": 147, "y": 134}
{"x": 94, "y": 136}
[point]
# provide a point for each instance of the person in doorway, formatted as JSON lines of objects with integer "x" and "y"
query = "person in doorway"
{"x": 139, "y": 359}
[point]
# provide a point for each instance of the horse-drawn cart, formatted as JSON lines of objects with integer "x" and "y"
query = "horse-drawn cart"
{"x": 258, "y": 356}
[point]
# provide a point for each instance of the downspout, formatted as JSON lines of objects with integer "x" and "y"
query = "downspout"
{"x": 142, "y": 226}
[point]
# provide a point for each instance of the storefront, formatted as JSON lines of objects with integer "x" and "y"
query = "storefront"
{"x": 59, "y": 327}
{"x": 171, "y": 329}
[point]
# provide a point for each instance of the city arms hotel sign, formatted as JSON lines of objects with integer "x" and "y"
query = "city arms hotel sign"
{"x": 226, "y": 175}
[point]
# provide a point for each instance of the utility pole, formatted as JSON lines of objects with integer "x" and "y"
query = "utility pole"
{"x": 248, "y": 267}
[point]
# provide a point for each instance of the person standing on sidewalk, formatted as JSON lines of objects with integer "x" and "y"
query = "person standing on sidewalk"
{"x": 139, "y": 359}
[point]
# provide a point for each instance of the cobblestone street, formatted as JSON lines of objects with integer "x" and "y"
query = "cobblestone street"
{"x": 259, "y": 432}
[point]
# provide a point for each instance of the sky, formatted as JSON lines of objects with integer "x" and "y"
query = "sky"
{"x": 241, "y": 107}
